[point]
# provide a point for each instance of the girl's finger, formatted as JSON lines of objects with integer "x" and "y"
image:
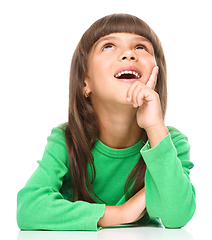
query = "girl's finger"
{"x": 139, "y": 93}
{"x": 153, "y": 78}
{"x": 130, "y": 91}
{"x": 134, "y": 95}
{"x": 142, "y": 95}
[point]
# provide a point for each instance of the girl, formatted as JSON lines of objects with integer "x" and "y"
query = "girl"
{"x": 115, "y": 161}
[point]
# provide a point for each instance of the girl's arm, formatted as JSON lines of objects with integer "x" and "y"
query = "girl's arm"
{"x": 41, "y": 206}
{"x": 169, "y": 192}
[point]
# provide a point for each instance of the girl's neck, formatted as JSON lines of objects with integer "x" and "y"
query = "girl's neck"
{"x": 118, "y": 128}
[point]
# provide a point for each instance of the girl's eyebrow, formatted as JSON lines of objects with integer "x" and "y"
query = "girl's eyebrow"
{"x": 109, "y": 38}
{"x": 143, "y": 39}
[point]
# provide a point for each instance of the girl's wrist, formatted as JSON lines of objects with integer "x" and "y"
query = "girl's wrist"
{"x": 114, "y": 215}
{"x": 156, "y": 134}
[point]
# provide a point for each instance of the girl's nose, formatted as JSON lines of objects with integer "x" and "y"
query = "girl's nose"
{"x": 128, "y": 55}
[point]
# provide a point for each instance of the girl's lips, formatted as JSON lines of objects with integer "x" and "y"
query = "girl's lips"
{"x": 128, "y": 80}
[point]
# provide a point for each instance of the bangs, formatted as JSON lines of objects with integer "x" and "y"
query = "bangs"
{"x": 117, "y": 23}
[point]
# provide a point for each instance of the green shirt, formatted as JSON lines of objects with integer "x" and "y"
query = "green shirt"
{"x": 45, "y": 201}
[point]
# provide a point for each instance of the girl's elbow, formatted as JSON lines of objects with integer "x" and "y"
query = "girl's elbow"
{"x": 21, "y": 224}
{"x": 22, "y": 219}
{"x": 23, "y": 213}
{"x": 174, "y": 224}
{"x": 26, "y": 219}
{"x": 179, "y": 218}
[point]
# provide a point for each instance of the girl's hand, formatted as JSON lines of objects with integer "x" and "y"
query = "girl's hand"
{"x": 147, "y": 101}
{"x": 130, "y": 211}
{"x": 149, "y": 116}
{"x": 134, "y": 208}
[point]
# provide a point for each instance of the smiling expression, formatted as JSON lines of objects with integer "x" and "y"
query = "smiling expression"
{"x": 117, "y": 60}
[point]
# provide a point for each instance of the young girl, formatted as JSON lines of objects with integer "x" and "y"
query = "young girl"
{"x": 115, "y": 161}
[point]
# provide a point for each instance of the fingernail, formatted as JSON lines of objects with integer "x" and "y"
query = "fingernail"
{"x": 128, "y": 99}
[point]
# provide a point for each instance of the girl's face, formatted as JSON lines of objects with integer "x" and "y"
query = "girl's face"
{"x": 115, "y": 62}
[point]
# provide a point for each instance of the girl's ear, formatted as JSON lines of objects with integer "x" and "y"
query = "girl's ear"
{"x": 86, "y": 89}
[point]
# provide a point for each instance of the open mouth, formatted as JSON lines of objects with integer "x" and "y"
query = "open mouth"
{"x": 127, "y": 75}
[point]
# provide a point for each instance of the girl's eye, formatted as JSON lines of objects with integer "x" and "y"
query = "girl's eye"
{"x": 108, "y": 46}
{"x": 141, "y": 47}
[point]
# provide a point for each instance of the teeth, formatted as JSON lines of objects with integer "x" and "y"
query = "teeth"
{"x": 128, "y": 72}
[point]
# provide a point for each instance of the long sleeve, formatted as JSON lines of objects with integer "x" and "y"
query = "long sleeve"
{"x": 41, "y": 206}
{"x": 170, "y": 195}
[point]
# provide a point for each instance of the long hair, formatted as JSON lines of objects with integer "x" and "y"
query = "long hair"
{"x": 82, "y": 128}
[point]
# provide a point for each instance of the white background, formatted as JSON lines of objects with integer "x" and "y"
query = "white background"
{"x": 36, "y": 46}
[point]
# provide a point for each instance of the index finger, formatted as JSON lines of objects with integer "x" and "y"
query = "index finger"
{"x": 153, "y": 78}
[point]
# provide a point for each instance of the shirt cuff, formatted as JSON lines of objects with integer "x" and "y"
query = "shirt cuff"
{"x": 161, "y": 149}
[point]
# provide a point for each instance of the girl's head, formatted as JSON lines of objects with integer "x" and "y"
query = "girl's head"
{"x": 107, "y": 27}
{"x": 82, "y": 129}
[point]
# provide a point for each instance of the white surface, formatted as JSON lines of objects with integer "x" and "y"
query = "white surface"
{"x": 144, "y": 233}
{"x": 132, "y": 233}
{"x": 37, "y": 42}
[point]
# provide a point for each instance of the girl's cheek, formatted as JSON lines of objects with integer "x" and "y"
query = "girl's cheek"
{"x": 149, "y": 61}
{"x": 149, "y": 67}
{"x": 153, "y": 61}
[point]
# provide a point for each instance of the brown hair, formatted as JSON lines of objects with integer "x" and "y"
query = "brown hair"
{"x": 82, "y": 128}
